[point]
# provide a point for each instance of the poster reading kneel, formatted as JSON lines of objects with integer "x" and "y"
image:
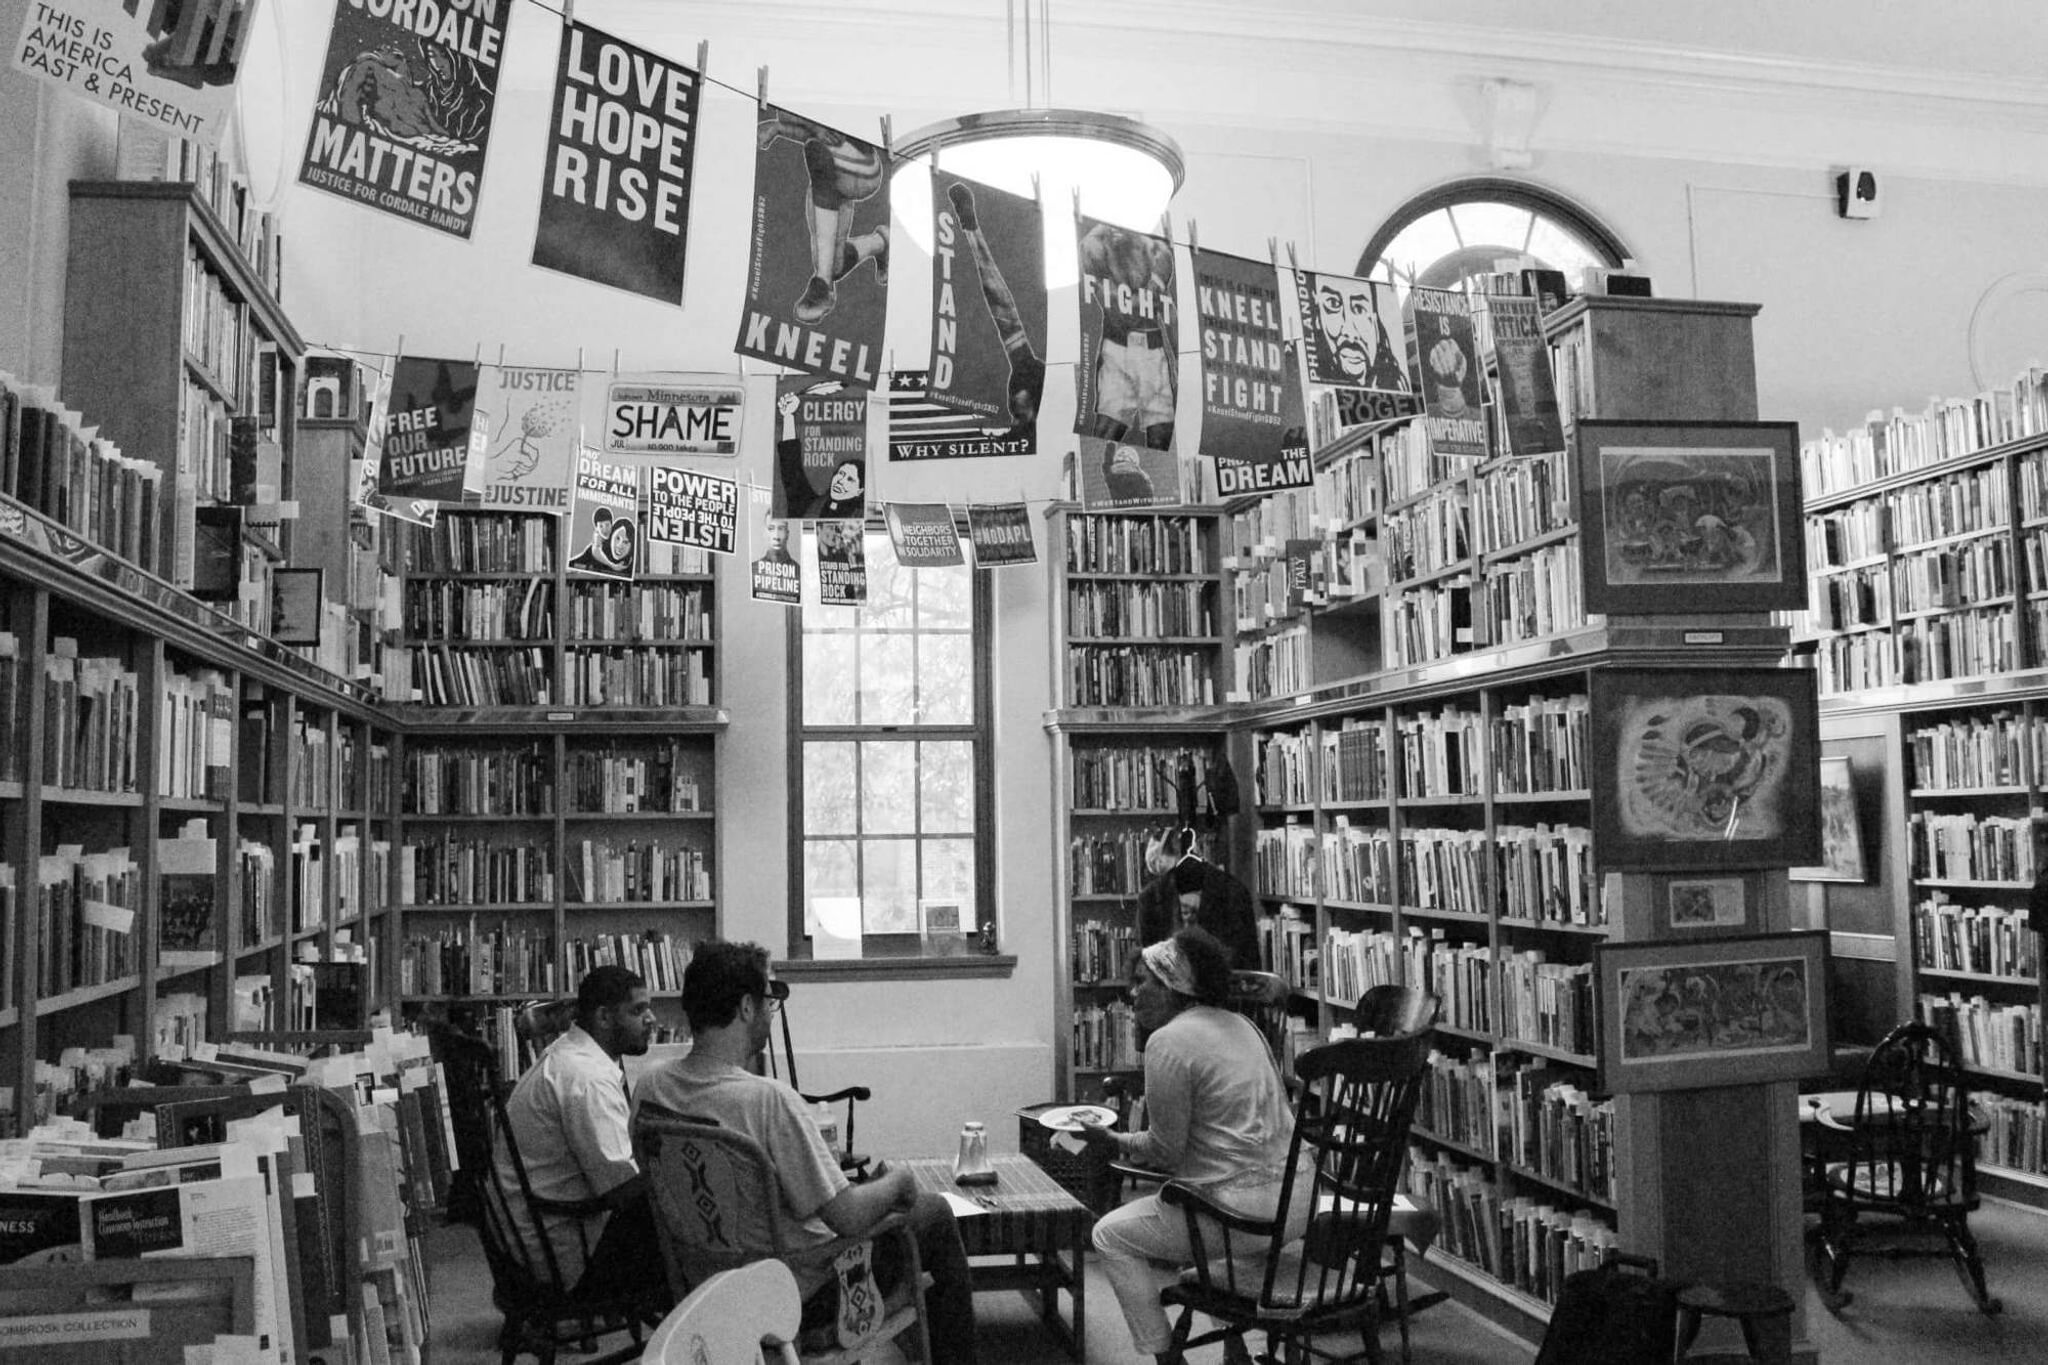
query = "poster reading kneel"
{"x": 604, "y": 528}
{"x": 403, "y": 115}
{"x": 818, "y": 277}
{"x": 169, "y": 66}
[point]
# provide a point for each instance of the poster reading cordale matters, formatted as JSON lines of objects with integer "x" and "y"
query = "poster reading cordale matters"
{"x": 403, "y": 114}
{"x": 818, "y": 276}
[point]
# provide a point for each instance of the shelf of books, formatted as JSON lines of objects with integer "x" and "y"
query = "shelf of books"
{"x": 179, "y": 767}
{"x": 1141, "y": 661}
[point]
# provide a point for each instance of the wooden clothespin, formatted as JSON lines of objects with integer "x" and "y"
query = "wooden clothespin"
{"x": 579, "y": 360}
{"x": 615, "y": 362}
{"x": 1194, "y": 238}
{"x": 1166, "y": 227}
{"x": 501, "y": 355}
{"x": 1293, "y": 261}
{"x": 703, "y": 57}
{"x": 763, "y": 73}
{"x": 888, "y": 138}
{"x": 1036, "y": 197}
{"x": 568, "y": 12}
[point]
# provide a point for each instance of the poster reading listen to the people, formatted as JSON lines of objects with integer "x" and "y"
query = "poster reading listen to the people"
{"x": 1128, "y": 379}
{"x": 403, "y": 115}
{"x": 988, "y": 304}
{"x": 532, "y": 414}
{"x": 172, "y": 67}
{"x": 818, "y": 274}
{"x": 615, "y": 189}
{"x": 685, "y": 507}
{"x": 432, "y": 434}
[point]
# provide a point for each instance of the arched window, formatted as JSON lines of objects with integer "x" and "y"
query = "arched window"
{"x": 1446, "y": 235}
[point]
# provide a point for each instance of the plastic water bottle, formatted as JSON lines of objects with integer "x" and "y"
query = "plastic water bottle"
{"x": 971, "y": 1166}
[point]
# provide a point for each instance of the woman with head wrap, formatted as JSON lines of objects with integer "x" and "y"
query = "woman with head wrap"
{"x": 1217, "y": 1117}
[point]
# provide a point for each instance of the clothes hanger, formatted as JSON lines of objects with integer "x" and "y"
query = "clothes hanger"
{"x": 1193, "y": 869}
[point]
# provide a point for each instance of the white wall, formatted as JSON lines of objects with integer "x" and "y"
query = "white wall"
{"x": 1305, "y": 120}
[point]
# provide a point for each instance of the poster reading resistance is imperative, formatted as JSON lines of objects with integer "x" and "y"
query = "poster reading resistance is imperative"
{"x": 404, "y": 111}
{"x": 615, "y": 191}
{"x": 173, "y": 66}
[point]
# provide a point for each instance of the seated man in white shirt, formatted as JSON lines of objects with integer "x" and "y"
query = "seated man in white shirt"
{"x": 569, "y": 1115}
{"x": 731, "y": 1002}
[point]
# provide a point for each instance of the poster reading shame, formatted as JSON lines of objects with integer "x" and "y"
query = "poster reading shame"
{"x": 403, "y": 116}
{"x": 430, "y": 430}
{"x": 988, "y": 305}
{"x": 818, "y": 275}
{"x": 171, "y": 66}
{"x": 532, "y": 447}
{"x": 1246, "y": 371}
{"x": 615, "y": 191}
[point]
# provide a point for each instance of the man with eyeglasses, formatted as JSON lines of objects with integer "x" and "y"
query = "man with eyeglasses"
{"x": 569, "y": 1116}
{"x": 731, "y": 1002}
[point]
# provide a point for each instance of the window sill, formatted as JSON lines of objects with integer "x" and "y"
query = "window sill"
{"x": 896, "y": 968}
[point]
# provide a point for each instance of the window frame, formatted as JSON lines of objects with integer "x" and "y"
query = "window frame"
{"x": 899, "y": 950}
{"x": 1537, "y": 199}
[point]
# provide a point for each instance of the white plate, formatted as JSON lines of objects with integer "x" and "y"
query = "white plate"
{"x": 1067, "y": 1118}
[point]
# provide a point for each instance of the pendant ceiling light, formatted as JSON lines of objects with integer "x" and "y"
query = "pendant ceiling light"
{"x": 1120, "y": 169}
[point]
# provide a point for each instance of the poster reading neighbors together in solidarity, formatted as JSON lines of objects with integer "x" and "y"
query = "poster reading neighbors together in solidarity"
{"x": 403, "y": 115}
{"x": 615, "y": 189}
{"x": 172, "y": 67}
{"x": 1127, "y": 383}
{"x": 817, "y": 280}
{"x": 988, "y": 309}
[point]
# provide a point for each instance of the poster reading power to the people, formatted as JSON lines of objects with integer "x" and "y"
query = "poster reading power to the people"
{"x": 604, "y": 526}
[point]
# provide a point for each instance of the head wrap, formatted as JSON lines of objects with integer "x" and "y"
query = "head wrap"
{"x": 1167, "y": 962}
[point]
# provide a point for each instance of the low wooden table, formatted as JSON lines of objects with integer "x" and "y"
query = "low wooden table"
{"x": 1027, "y": 1215}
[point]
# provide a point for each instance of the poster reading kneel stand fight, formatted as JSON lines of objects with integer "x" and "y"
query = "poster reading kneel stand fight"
{"x": 1252, "y": 410}
{"x": 406, "y": 99}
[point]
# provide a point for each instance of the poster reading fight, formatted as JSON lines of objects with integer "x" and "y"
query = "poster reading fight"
{"x": 668, "y": 414}
{"x": 1443, "y": 355}
{"x": 988, "y": 307}
{"x": 685, "y": 507}
{"x": 532, "y": 415}
{"x": 615, "y": 189}
{"x": 817, "y": 279}
{"x": 924, "y": 535}
{"x": 920, "y": 429}
{"x": 1000, "y": 533}
{"x": 842, "y": 564}
{"x": 172, "y": 67}
{"x": 432, "y": 435}
{"x": 403, "y": 114}
{"x": 821, "y": 450}
{"x": 1128, "y": 381}
{"x": 604, "y": 529}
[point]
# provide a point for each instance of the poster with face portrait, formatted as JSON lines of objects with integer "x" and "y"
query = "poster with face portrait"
{"x": 432, "y": 434}
{"x": 604, "y": 527}
{"x": 1353, "y": 330}
{"x": 842, "y": 564}
{"x": 988, "y": 305}
{"x": 821, "y": 450}
{"x": 1127, "y": 383}
{"x": 1444, "y": 356}
{"x": 775, "y": 569}
{"x": 817, "y": 282}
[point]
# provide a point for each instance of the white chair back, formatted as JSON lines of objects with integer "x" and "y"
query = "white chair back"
{"x": 737, "y": 1317}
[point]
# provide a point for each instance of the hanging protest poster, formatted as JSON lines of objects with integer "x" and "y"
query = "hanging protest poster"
{"x": 403, "y": 119}
{"x": 1442, "y": 352}
{"x": 615, "y": 189}
{"x": 1286, "y": 464}
{"x": 172, "y": 67}
{"x": 432, "y": 432}
{"x": 923, "y": 534}
{"x": 988, "y": 305}
{"x": 1245, "y": 369}
{"x": 920, "y": 429}
{"x": 1000, "y": 533}
{"x": 775, "y": 571}
{"x": 1526, "y": 395}
{"x": 1351, "y": 325}
{"x": 1118, "y": 474}
{"x": 669, "y": 413}
{"x": 685, "y": 507}
{"x": 842, "y": 564}
{"x": 1128, "y": 381}
{"x": 532, "y": 415}
{"x": 821, "y": 214}
{"x": 821, "y": 449}
{"x": 604, "y": 528}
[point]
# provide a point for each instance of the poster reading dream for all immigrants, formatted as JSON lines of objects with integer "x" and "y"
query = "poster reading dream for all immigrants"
{"x": 403, "y": 114}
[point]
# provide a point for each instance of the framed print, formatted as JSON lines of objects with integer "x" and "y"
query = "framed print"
{"x": 295, "y": 598}
{"x": 1708, "y": 903}
{"x": 1680, "y": 516}
{"x": 1685, "y": 1014}
{"x": 1841, "y": 833}
{"x": 1705, "y": 768}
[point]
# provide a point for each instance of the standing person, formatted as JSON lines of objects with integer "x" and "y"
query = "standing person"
{"x": 1027, "y": 369}
{"x": 1218, "y": 1121}
{"x": 731, "y": 1002}
{"x": 1129, "y": 275}
{"x": 844, "y": 172}
{"x": 569, "y": 1117}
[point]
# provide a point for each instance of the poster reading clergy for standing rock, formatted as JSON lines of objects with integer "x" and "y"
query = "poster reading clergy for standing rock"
{"x": 615, "y": 190}
{"x": 172, "y": 66}
{"x": 403, "y": 114}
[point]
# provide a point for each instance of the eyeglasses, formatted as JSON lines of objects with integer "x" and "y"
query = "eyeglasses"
{"x": 771, "y": 1003}
{"x": 773, "y": 997}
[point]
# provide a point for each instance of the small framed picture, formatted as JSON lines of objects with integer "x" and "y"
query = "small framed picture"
{"x": 1841, "y": 830}
{"x": 943, "y": 925}
{"x": 1685, "y": 1014}
{"x": 296, "y": 597}
{"x": 1680, "y": 517}
{"x": 1704, "y": 906}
